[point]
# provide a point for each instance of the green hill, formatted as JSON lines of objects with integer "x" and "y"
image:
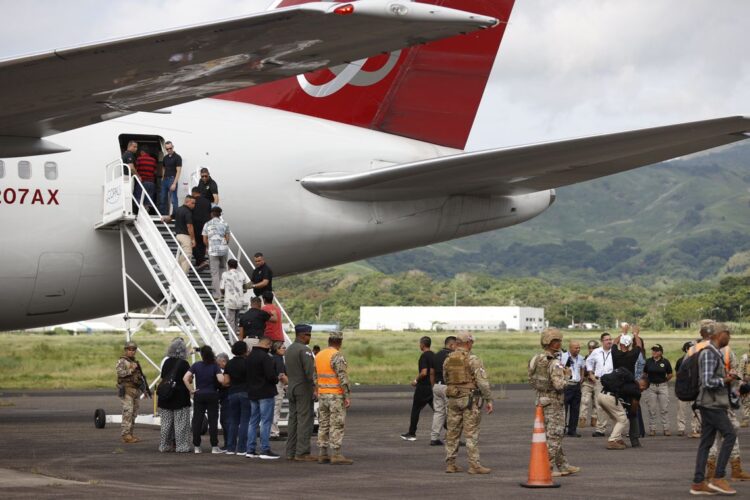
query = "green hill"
{"x": 683, "y": 219}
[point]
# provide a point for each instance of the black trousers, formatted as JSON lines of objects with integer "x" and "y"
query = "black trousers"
{"x": 422, "y": 398}
{"x": 199, "y": 251}
{"x": 202, "y": 404}
{"x": 713, "y": 421}
{"x": 572, "y": 406}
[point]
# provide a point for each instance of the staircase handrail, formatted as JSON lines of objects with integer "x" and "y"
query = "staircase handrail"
{"x": 238, "y": 257}
{"x": 172, "y": 236}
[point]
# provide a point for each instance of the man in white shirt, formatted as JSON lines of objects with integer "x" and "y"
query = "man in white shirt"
{"x": 573, "y": 362}
{"x": 599, "y": 363}
{"x": 233, "y": 287}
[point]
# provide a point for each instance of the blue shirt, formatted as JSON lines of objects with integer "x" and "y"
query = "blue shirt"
{"x": 205, "y": 377}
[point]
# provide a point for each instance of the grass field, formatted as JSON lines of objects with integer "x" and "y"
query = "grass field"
{"x": 36, "y": 361}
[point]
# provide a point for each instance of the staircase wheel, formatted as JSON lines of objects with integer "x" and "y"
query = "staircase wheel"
{"x": 100, "y": 418}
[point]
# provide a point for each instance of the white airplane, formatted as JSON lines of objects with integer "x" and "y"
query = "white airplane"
{"x": 316, "y": 167}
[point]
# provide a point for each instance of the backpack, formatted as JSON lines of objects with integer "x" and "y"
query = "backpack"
{"x": 166, "y": 388}
{"x": 615, "y": 381}
{"x": 687, "y": 382}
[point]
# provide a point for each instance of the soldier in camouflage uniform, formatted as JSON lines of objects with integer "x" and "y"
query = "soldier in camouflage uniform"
{"x": 467, "y": 387}
{"x": 334, "y": 392}
{"x": 548, "y": 377}
{"x": 130, "y": 381}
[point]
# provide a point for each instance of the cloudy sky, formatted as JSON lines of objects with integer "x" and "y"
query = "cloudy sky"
{"x": 566, "y": 68}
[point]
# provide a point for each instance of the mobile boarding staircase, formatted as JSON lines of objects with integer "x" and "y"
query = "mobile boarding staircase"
{"x": 186, "y": 298}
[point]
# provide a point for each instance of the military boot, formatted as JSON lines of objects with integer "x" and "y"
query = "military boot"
{"x": 581, "y": 422}
{"x": 710, "y": 468}
{"x": 339, "y": 459}
{"x": 737, "y": 473}
{"x": 479, "y": 469}
{"x": 323, "y": 458}
{"x": 130, "y": 439}
{"x": 568, "y": 470}
{"x": 452, "y": 468}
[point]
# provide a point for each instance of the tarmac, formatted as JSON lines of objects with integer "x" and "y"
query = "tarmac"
{"x": 49, "y": 448}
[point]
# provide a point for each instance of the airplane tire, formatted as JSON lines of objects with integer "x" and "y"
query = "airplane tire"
{"x": 100, "y": 418}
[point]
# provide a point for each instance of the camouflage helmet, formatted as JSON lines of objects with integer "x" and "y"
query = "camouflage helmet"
{"x": 550, "y": 334}
{"x": 130, "y": 345}
{"x": 593, "y": 344}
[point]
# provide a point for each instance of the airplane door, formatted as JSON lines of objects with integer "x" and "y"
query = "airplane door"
{"x": 56, "y": 283}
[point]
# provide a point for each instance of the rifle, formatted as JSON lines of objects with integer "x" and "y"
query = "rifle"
{"x": 144, "y": 382}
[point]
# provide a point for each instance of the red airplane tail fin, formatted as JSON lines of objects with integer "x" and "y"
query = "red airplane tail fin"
{"x": 428, "y": 92}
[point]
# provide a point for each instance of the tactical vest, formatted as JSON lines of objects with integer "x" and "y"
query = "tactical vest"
{"x": 134, "y": 378}
{"x": 457, "y": 371}
{"x": 328, "y": 381}
{"x": 539, "y": 372}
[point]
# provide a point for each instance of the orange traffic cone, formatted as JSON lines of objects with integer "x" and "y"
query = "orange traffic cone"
{"x": 540, "y": 474}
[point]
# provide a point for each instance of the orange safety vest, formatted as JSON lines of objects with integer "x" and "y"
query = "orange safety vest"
{"x": 328, "y": 381}
{"x": 701, "y": 345}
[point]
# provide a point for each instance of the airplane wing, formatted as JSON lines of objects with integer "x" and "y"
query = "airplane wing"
{"x": 526, "y": 169}
{"x": 64, "y": 89}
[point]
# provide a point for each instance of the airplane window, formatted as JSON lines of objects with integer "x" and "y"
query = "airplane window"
{"x": 50, "y": 170}
{"x": 2, "y": 169}
{"x": 24, "y": 169}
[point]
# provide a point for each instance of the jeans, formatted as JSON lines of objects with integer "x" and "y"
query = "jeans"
{"x": 202, "y": 404}
{"x": 422, "y": 398}
{"x": 261, "y": 411}
{"x": 572, "y": 406}
{"x": 150, "y": 188}
{"x": 165, "y": 194}
{"x": 713, "y": 420}
{"x": 239, "y": 417}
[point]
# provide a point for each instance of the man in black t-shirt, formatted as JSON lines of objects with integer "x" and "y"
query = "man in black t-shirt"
{"x": 170, "y": 178}
{"x": 625, "y": 354}
{"x": 184, "y": 230}
{"x": 439, "y": 399}
{"x": 201, "y": 215}
{"x": 422, "y": 387}
{"x": 128, "y": 157}
{"x": 253, "y": 323}
{"x": 262, "y": 277}
{"x": 208, "y": 188}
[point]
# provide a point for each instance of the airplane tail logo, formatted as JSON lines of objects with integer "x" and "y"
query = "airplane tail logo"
{"x": 428, "y": 92}
{"x": 353, "y": 73}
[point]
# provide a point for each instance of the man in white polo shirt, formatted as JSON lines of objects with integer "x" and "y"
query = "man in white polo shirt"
{"x": 599, "y": 363}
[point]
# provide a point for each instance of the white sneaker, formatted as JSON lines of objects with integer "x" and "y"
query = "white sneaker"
{"x": 252, "y": 455}
{"x": 216, "y": 450}
{"x": 229, "y": 452}
{"x": 198, "y": 450}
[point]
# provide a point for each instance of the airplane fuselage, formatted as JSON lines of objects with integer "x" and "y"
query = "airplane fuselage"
{"x": 56, "y": 267}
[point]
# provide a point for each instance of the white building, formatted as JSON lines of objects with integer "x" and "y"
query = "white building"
{"x": 452, "y": 318}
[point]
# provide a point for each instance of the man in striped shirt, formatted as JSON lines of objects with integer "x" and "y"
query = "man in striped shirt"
{"x": 713, "y": 403}
{"x": 145, "y": 170}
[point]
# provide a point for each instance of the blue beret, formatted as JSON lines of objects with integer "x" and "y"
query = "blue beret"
{"x": 302, "y": 329}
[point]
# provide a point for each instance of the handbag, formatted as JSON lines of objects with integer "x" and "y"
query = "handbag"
{"x": 166, "y": 388}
